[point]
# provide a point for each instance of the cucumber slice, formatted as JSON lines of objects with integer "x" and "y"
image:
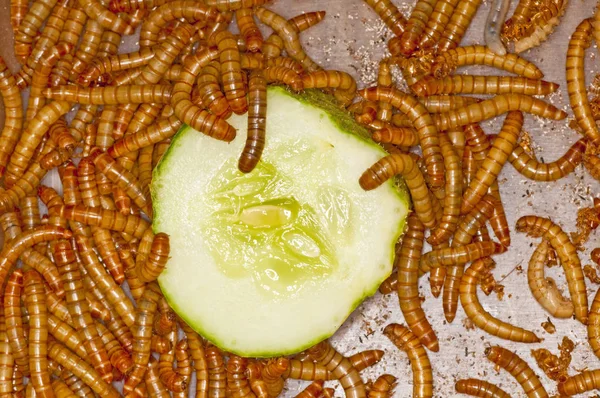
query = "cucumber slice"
{"x": 271, "y": 262}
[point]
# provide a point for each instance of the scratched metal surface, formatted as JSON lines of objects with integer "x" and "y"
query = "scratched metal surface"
{"x": 352, "y": 39}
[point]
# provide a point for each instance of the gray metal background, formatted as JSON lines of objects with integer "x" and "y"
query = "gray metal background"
{"x": 352, "y": 39}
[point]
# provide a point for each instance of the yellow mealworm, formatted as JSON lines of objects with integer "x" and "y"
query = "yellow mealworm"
{"x": 30, "y": 26}
{"x": 407, "y": 262}
{"x": 519, "y": 369}
{"x": 580, "y": 41}
{"x": 132, "y": 94}
{"x": 289, "y": 35}
{"x": 455, "y": 29}
{"x": 184, "y": 365}
{"x": 200, "y": 359}
{"x": 400, "y": 136}
{"x": 406, "y": 341}
{"x": 306, "y": 20}
{"x": 422, "y": 120}
{"x": 403, "y": 164}
{"x": 165, "y": 320}
{"x": 272, "y": 47}
{"x": 542, "y": 227}
{"x": 248, "y": 29}
{"x": 132, "y": 5}
{"x": 498, "y": 220}
{"x": 157, "y": 258}
{"x": 106, "y": 219}
{"x": 257, "y": 122}
{"x": 38, "y": 333}
{"x": 209, "y": 90}
{"x": 384, "y": 79}
{"x": 191, "y": 114}
{"x": 18, "y": 9}
{"x": 282, "y": 74}
{"x": 503, "y": 146}
{"x": 544, "y": 289}
{"x": 232, "y": 5}
{"x": 115, "y": 63}
{"x": 69, "y": 361}
{"x": 145, "y": 312}
{"x": 415, "y": 26}
{"x": 538, "y": 171}
{"x": 389, "y": 14}
{"x": 107, "y": 19}
{"x": 445, "y": 103}
{"x": 13, "y": 109}
{"x": 237, "y": 383}
{"x": 79, "y": 308}
{"x": 44, "y": 266}
{"x": 65, "y": 142}
{"x": 496, "y": 106}
{"x": 231, "y": 72}
{"x": 459, "y": 255}
{"x": 313, "y": 390}
{"x": 543, "y": 23}
{"x": 479, "y": 388}
{"x": 217, "y": 378}
{"x": 342, "y": 82}
{"x": 442, "y": 12}
{"x": 340, "y": 367}
{"x": 66, "y": 335}
{"x": 469, "y": 84}
{"x": 383, "y": 386}
{"x": 585, "y": 381}
{"x": 593, "y": 327}
{"x": 157, "y": 132}
{"x": 172, "y": 380}
{"x": 251, "y": 61}
{"x": 479, "y": 316}
{"x": 58, "y": 307}
{"x": 13, "y": 320}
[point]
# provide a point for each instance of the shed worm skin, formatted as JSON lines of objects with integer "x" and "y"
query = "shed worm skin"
{"x": 469, "y": 84}
{"x": 419, "y": 361}
{"x": 494, "y": 24}
{"x": 580, "y": 41}
{"x": 459, "y": 22}
{"x": 518, "y": 25}
{"x": 544, "y": 289}
{"x": 448, "y": 61}
{"x": 479, "y": 388}
{"x": 257, "y": 122}
{"x": 340, "y": 367}
{"x": 542, "y": 227}
{"x": 495, "y": 106}
{"x": 592, "y": 165}
{"x": 407, "y": 263}
{"x": 403, "y": 164}
{"x": 439, "y": 18}
{"x": 519, "y": 369}
{"x": 494, "y": 160}
{"x": 389, "y": 14}
{"x": 542, "y": 23}
{"x": 423, "y": 123}
{"x": 480, "y": 317}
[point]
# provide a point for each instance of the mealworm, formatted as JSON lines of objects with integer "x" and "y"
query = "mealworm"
{"x": 493, "y": 26}
{"x": 519, "y": 369}
{"x": 13, "y": 320}
{"x": 46, "y": 268}
{"x": 401, "y": 136}
{"x": 13, "y": 110}
{"x": 498, "y": 220}
{"x": 579, "y": 42}
{"x": 445, "y": 103}
{"x": 407, "y": 263}
{"x": 305, "y": 370}
{"x": 420, "y": 118}
{"x": 538, "y": 226}
{"x": 231, "y": 72}
{"x": 184, "y": 365}
{"x": 419, "y": 361}
{"x": 342, "y": 82}
{"x": 479, "y": 316}
{"x": 272, "y": 373}
{"x": 585, "y": 381}
{"x": 282, "y": 74}
{"x": 31, "y": 138}
{"x": 156, "y": 262}
{"x": 306, "y": 20}
{"x": 459, "y": 22}
{"x": 30, "y": 26}
{"x": 66, "y": 144}
{"x": 313, "y": 390}
{"x": 257, "y": 122}
{"x": 165, "y": 320}
{"x": 66, "y": 335}
{"x": 448, "y": 61}
{"x": 459, "y": 255}
{"x": 289, "y": 36}
{"x": 57, "y": 307}
{"x": 593, "y": 327}
{"x": 538, "y": 171}
{"x": 18, "y": 9}
{"x": 544, "y": 289}
{"x": 237, "y": 383}
{"x": 383, "y": 386}
{"x": 403, "y": 164}
{"x": 518, "y": 25}
{"x": 69, "y": 361}
{"x": 389, "y": 14}
{"x": 452, "y": 199}
{"x": 107, "y": 19}
{"x": 6, "y": 364}
{"x": 217, "y": 378}
{"x": 157, "y": 132}
{"x": 125, "y": 6}
{"x": 130, "y": 94}
{"x": 272, "y": 47}
{"x": 340, "y": 367}
{"x": 415, "y": 26}
{"x": 479, "y": 388}
{"x": 442, "y": 12}
{"x": 248, "y": 29}
{"x": 469, "y": 84}
{"x": 209, "y": 90}
{"x": 191, "y": 114}
{"x": 35, "y": 301}
{"x": 114, "y": 63}
{"x": 496, "y": 106}
{"x": 200, "y": 359}
{"x": 384, "y": 79}
{"x": 233, "y": 5}
{"x": 79, "y": 308}
{"x": 172, "y": 380}
{"x": 142, "y": 332}
{"x": 487, "y": 173}
{"x": 543, "y": 23}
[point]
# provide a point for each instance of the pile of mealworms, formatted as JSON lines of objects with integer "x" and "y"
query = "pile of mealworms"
{"x": 81, "y": 308}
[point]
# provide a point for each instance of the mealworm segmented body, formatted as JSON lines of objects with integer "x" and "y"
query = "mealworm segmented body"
{"x": 459, "y": 255}
{"x": 479, "y": 316}
{"x": 543, "y": 23}
{"x": 538, "y": 171}
{"x": 231, "y": 72}
{"x": 107, "y": 19}
{"x": 313, "y": 390}
{"x": 340, "y": 367}
{"x": 442, "y": 12}
{"x": 66, "y": 335}
{"x": 282, "y": 74}
{"x": 133, "y": 94}
{"x": 14, "y": 323}
{"x": 406, "y": 341}
{"x": 539, "y": 226}
{"x": 115, "y": 63}
{"x": 217, "y": 378}
{"x": 13, "y": 109}
{"x": 248, "y": 29}
{"x": 157, "y": 132}
{"x": 459, "y": 22}
{"x": 30, "y": 26}
{"x": 389, "y": 14}
{"x": 344, "y": 84}
{"x": 105, "y": 219}
{"x": 428, "y": 134}
{"x": 257, "y": 122}
{"x": 544, "y": 289}
{"x": 401, "y": 136}
{"x": 519, "y": 369}
{"x": 479, "y": 388}
{"x": 196, "y": 349}
{"x": 469, "y": 84}
{"x": 415, "y": 26}
{"x": 209, "y": 90}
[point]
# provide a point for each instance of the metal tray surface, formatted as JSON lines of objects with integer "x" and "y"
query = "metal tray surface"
{"x": 353, "y": 39}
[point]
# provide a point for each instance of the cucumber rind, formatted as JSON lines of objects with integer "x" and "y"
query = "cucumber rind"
{"x": 345, "y": 124}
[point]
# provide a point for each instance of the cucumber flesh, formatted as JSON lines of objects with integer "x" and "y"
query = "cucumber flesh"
{"x": 271, "y": 262}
